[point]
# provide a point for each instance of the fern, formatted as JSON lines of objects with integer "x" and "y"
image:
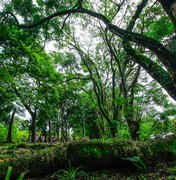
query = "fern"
{"x": 137, "y": 162}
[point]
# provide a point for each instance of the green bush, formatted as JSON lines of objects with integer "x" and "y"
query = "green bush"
{"x": 3, "y": 132}
{"x": 18, "y": 134}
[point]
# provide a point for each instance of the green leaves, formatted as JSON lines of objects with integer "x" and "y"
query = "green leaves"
{"x": 70, "y": 173}
{"x": 137, "y": 162}
{"x": 9, "y": 172}
{"x": 157, "y": 24}
{"x": 25, "y": 8}
{"x": 160, "y": 28}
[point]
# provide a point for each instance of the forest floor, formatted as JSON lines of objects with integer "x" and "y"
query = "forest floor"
{"x": 163, "y": 171}
{"x": 152, "y": 160}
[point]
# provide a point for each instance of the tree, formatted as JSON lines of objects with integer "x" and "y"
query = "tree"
{"x": 77, "y": 105}
{"x": 107, "y": 74}
{"x": 164, "y": 73}
{"x": 27, "y": 70}
{"x": 40, "y": 75}
{"x": 9, "y": 135}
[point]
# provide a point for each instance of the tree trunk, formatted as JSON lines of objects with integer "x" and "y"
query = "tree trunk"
{"x": 44, "y": 133}
{"x": 49, "y": 133}
{"x": 9, "y": 135}
{"x": 33, "y": 128}
{"x": 134, "y": 130}
{"x": 133, "y": 124}
{"x": 113, "y": 130}
{"x": 62, "y": 131}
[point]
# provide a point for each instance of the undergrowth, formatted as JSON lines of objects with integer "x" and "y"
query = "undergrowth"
{"x": 96, "y": 154}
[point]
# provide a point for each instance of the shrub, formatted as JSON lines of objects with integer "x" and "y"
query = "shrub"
{"x": 3, "y": 132}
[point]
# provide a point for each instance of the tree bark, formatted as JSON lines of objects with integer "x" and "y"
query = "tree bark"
{"x": 33, "y": 114}
{"x": 33, "y": 128}
{"x": 9, "y": 135}
{"x": 49, "y": 133}
{"x": 133, "y": 126}
{"x": 98, "y": 90}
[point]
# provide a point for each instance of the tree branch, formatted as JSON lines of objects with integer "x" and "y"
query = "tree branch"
{"x": 152, "y": 44}
{"x": 154, "y": 70}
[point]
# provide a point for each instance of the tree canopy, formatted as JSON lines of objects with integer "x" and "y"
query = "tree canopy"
{"x": 98, "y": 78}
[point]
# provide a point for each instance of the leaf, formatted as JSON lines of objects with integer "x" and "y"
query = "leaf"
{"x": 8, "y": 174}
{"x": 133, "y": 159}
{"x": 137, "y": 161}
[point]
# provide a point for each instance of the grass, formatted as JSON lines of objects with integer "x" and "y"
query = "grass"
{"x": 9, "y": 173}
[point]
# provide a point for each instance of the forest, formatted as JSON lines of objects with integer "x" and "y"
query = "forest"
{"x": 88, "y": 89}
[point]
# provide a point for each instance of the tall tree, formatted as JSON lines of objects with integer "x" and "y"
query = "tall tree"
{"x": 164, "y": 73}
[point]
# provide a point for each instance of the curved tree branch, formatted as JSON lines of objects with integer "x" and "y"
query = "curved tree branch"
{"x": 155, "y": 46}
{"x": 166, "y": 57}
{"x": 154, "y": 70}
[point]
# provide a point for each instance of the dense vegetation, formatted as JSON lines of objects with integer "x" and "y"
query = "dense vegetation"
{"x": 83, "y": 69}
{"x": 42, "y": 159}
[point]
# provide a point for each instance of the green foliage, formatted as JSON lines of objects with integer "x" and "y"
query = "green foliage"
{"x": 73, "y": 94}
{"x": 70, "y": 173}
{"x": 146, "y": 129}
{"x": 42, "y": 85}
{"x": 123, "y": 132}
{"x": 172, "y": 169}
{"x": 3, "y": 132}
{"x": 19, "y": 134}
{"x": 137, "y": 162}
{"x": 34, "y": 146}
{"x": 21, "y": 177}
{"x": 89, "y": 154}
{"x": 9, "y": 172}
{"x": 160, "y": 28}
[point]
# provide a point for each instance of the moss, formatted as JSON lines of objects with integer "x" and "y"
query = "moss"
{"x": 95, "y": 154}
{"x": 172, "y": 169}
{"x": 36, "y": 146}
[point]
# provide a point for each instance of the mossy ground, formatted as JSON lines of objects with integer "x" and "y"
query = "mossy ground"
{"x": 100, "y": 159}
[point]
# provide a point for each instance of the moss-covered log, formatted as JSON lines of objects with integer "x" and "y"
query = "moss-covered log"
{"x": 43, "y": 159}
